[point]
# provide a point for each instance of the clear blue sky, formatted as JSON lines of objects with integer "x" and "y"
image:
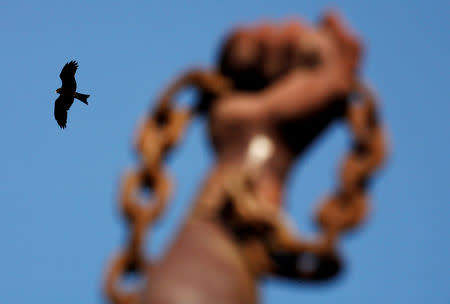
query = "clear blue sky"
{"x": 59, "y": 222}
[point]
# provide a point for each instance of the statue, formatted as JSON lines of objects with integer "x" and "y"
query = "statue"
{"x": 276, "y": 88}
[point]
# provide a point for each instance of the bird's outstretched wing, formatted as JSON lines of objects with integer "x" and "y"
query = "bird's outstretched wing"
{"x": 61, "y": 111}
{"x": 67, "y": 75}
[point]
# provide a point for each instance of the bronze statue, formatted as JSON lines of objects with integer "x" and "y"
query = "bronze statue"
{"x": 275, "y": 89}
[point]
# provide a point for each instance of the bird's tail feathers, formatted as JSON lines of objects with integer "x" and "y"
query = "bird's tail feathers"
{"x": 82, "y": 97}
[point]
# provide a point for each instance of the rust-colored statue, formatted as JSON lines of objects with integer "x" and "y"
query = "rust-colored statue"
{"x": 276, "y": 88}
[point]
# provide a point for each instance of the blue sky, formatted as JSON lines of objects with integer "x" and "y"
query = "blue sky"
{"x": 59, "y": 222}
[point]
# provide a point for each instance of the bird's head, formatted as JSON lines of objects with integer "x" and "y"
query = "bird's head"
{"x": 58, "y": 91}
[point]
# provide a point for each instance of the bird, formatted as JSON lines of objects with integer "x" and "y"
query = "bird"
{"x": 67, "y": 93}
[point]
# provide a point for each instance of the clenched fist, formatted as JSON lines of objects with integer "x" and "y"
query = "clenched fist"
{"x": 255, "y": 57}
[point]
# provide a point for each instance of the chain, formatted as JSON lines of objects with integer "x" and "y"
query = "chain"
{"x": 162, "y": 130}
{"x": 158, "y": 134}
{"x": 348, "y": 206}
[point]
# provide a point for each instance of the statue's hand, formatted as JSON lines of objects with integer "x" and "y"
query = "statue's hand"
{"x": 255, "y": 57}
{"x": 289, "y": 71}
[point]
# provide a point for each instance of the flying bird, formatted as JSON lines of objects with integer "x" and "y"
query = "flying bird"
{"x": 67, "y": 93}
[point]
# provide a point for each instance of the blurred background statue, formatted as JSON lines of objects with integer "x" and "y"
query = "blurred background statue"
{"x": 275, "y": 89}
